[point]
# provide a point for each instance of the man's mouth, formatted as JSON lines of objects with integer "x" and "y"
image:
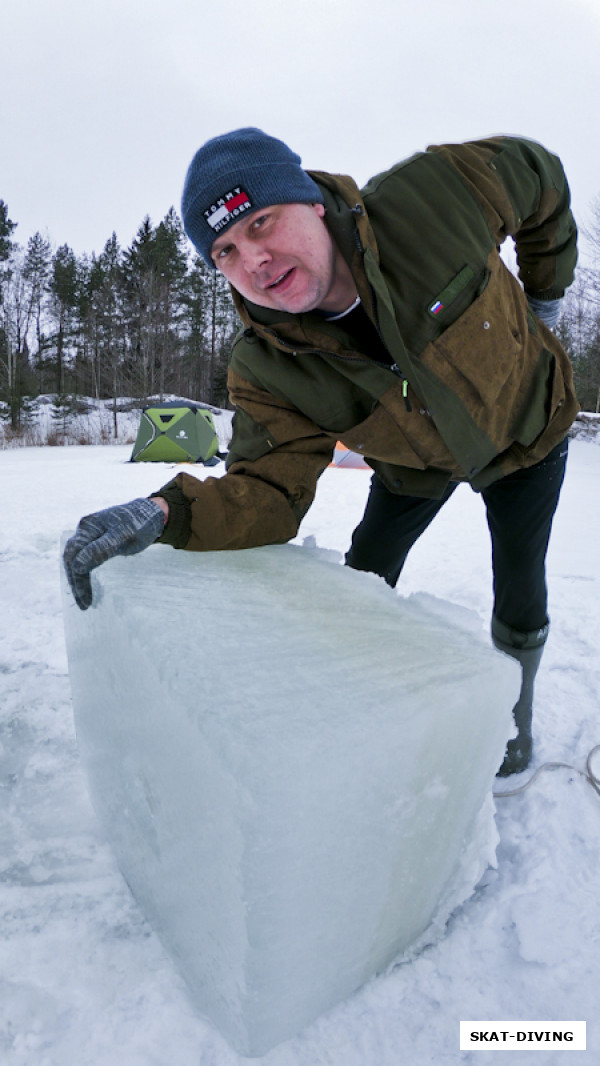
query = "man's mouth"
{"x": 281, "y": 281}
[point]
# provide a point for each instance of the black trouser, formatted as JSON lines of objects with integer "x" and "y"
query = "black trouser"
{"x": 520, "y": 509}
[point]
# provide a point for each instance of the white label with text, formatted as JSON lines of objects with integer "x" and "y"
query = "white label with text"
{"x": 528, "y": 1036}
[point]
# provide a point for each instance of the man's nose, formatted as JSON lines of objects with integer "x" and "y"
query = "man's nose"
{"x": 254, "y": 256}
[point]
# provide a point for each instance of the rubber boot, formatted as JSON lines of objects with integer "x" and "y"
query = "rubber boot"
{"x": 527, "y": 649}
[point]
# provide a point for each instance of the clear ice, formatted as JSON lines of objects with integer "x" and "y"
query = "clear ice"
{"x": 293, "y": 765}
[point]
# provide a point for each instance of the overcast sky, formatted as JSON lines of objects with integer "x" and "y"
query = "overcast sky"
{"x": 104, "y": 102}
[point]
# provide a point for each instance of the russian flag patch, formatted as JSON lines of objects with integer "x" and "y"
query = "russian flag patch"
{"x": 436, "y": 308}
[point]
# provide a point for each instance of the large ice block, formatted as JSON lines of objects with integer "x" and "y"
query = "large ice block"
{"x": 291, "y": 762}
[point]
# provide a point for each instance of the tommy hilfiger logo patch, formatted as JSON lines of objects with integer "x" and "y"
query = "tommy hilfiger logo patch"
{"x": 227, "y": 207}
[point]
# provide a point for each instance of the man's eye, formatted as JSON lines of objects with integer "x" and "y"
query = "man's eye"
{"x": 258, "y": 222}
{"x": 224, "y": 252}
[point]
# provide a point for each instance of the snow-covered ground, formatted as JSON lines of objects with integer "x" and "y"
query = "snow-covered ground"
{"x": 84, "y": 981}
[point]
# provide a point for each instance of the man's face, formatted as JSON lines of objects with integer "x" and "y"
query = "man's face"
{"x": 283, "y": 257}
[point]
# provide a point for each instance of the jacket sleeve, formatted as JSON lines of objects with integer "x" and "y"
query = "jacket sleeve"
{"x": 524, "y": 194}
{"x": 275, "y": 459}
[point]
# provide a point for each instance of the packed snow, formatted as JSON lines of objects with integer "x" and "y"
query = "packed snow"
{"x": 85, "y": 982}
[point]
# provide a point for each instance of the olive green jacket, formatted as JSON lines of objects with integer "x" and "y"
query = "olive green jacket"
{"x": 479, "y": 387}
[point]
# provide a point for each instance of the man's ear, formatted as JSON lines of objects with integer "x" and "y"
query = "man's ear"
{"x": 320, "y": 209}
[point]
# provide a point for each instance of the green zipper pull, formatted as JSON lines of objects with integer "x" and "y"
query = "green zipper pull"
{"x": 396, "y": 370}
{"x": 407, "y": 402}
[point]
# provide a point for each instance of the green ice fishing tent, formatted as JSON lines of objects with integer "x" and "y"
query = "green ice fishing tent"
{"x": 173, "y": 432}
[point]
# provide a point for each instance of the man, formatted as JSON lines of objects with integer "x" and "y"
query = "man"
{"x": 386, "y": 319}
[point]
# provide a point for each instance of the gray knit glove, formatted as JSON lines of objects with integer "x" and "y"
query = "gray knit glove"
{"x": 125, "y": 529}
{"x": 547, "y": 310}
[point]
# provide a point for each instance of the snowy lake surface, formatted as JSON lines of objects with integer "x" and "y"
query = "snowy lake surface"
{"x": 84, "y": 981}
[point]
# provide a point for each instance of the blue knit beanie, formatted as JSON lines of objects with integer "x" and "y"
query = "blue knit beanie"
{"x": 238, "y": 172}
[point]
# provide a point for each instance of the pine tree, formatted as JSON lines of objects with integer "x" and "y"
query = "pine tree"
{"x": 171, "y": 268}
{"x": 155, "y": 272}
{"x": 140, "y": 306}
{"x": 211, "y": 323}
{"x": 108, "y": 303}
{"x": 14, "y": 363}
{"x": 36, "y": 274}
{"x": 6, "y": 229}
{"x": 63, "y": 287}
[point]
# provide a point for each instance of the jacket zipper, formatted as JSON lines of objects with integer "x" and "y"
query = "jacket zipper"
{"x": 357, "y": 210}
{"x": 396, "y": 370}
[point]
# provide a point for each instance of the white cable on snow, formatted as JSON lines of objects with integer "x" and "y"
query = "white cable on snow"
{"x": 588, "y": 774}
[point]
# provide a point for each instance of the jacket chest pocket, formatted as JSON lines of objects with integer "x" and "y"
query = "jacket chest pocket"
{"x": 484, "y": 356}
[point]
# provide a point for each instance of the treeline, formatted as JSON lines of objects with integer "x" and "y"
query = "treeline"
{"x": 146, "y": 320}
{"x": 579, "y": 325}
